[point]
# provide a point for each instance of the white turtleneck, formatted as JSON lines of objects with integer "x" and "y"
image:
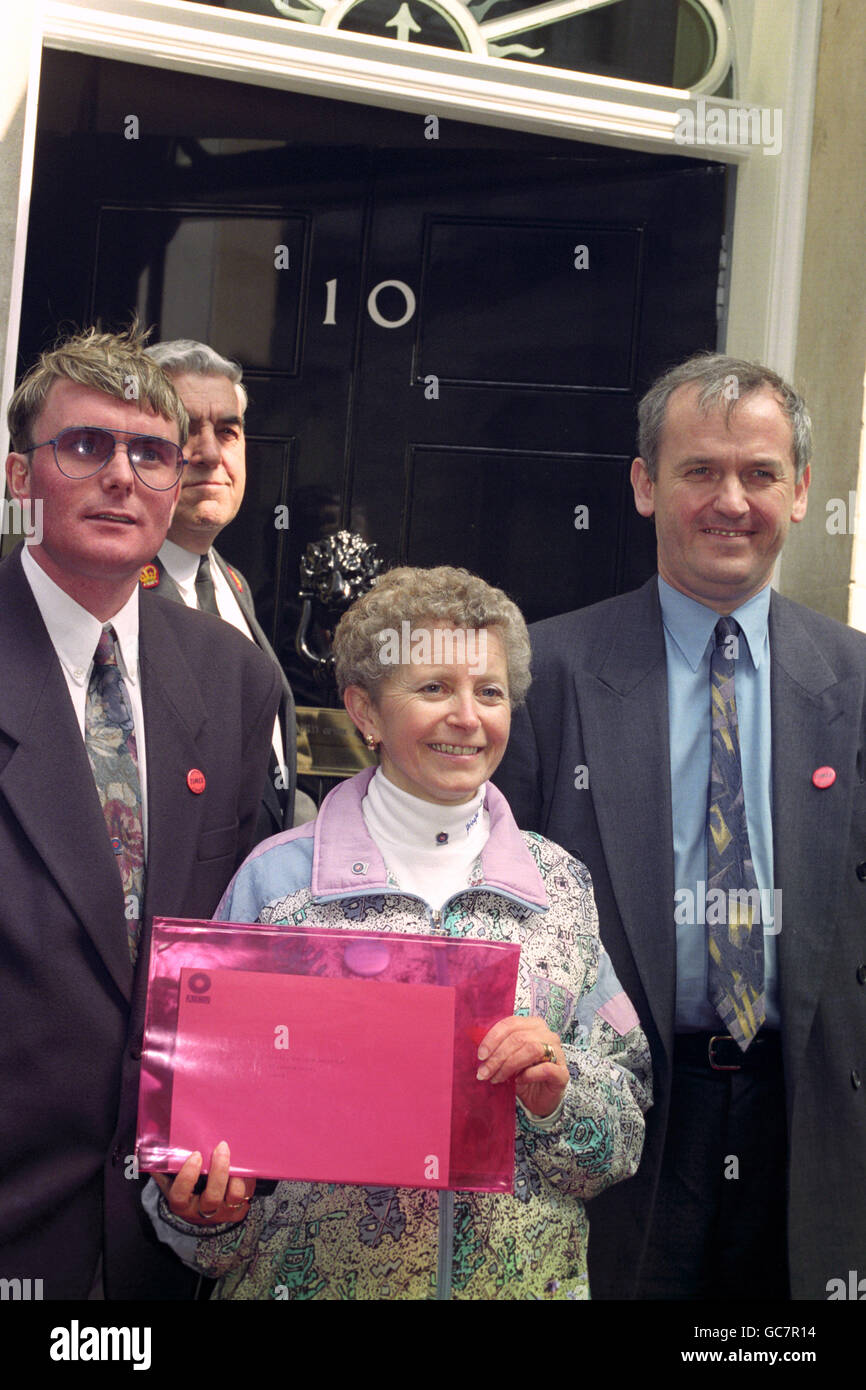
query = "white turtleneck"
{"x": 405, "y": 829}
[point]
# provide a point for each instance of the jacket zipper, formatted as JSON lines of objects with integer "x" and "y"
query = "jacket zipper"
{"x": 446, "y": 1202}
{"x": 446, "y": 1246}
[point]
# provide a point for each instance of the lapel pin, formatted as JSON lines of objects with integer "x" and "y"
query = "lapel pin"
{"x": 195, "y": 780}
{"x": 824, "y": 777}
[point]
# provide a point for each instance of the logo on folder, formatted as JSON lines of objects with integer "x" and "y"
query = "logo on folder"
{"x": 199, "y": 986}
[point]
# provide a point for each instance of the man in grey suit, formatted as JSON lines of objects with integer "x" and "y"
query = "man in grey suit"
{"x": 189, "y": 570}
{"x": 751, "y": 1185}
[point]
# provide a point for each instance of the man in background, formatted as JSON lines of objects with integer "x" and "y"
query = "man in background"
{"x": 189, "y": 569}
{"x": 133, "y": 744}
{"x": 699, "y": 743}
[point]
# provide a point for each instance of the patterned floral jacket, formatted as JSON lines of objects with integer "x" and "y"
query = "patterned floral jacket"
{"x": 326, "y": 1241}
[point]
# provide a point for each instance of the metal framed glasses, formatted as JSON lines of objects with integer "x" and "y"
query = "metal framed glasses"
{"x": 81, "y": 450}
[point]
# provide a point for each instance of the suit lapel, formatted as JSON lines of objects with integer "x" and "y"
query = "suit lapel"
{"x": 47, "y": 779}
{"x": 174, "y": 717}
{"x": 241, "y": 590}
{"x": 815, "y": 724}
{"x": 624, "y": 713}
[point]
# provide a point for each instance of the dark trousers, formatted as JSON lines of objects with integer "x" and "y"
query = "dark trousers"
{"x": 719, "y": 1223}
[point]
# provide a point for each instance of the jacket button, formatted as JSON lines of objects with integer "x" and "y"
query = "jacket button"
{"x": 861, "y": 870}
{"x": 855, "y": 1079}
{"x": 861, "y": 974}
{"x": 135, "y": 1054}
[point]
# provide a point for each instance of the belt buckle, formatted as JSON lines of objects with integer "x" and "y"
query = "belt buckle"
{"x": 717, "y": 1066}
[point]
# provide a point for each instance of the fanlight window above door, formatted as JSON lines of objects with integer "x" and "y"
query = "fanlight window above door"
{"x": 671, "y": 43}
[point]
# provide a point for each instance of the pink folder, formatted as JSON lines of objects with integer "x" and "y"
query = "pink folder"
{"x": 334, "y": 1056}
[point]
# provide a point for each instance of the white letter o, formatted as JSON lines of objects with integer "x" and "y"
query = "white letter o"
{"x": 373, "y": 308}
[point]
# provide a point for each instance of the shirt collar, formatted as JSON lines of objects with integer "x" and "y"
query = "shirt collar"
{"x": 690, "y": 624}
{"x": 74, "y": 632}
{"x": 180, "y": 564}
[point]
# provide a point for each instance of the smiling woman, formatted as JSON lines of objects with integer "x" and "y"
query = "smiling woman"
{"x": 432, "y": 846}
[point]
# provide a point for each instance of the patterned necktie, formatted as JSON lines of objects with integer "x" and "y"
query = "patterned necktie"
{"x": 735, "y": 984}
{"x": 204, "y": 589}
{"x": 109, "y": 737}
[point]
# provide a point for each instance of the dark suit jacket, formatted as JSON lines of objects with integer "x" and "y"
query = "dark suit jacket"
{"x": 275, "y": 813}
{"x": 599, "y": 700}
{"x": 72, "y": 1009}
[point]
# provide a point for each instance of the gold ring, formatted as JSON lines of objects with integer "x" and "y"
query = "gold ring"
{"x": 549, "y": 1054}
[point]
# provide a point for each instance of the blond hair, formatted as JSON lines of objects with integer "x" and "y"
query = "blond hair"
{"x": 114, "y": 363}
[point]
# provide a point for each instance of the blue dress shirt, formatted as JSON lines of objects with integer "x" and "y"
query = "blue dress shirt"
{"x": 688, "y": 629}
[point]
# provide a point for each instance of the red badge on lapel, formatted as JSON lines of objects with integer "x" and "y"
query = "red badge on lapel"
{"x": 824, "y": 777}
{"x": 149, "y": 577}
{"x": 236, "y": 579}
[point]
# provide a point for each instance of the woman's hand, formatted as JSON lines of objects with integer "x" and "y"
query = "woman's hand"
{"x": 224, "y": 1198}
{"x": 521, "y": 1048}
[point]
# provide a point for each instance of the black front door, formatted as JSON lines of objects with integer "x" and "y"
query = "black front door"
{"x": 443, "y": 339}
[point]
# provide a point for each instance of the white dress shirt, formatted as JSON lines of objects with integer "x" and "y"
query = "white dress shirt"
{"x": 74, "y": 635}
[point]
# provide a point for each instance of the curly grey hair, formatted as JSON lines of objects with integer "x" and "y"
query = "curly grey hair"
{"x": 177, "y": 355}
{"x": 723, "y": 381}
{"x": 422, "y": 597}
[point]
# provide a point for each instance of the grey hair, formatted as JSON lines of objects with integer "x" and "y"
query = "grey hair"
{"x": 723, "y": 382}
{"x": 442, "y": 595}
{"x": 186, "y": 355}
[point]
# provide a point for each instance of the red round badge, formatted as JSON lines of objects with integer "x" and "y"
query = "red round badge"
{"x": 824, "y": 777}
{"x": 195, "y": 781}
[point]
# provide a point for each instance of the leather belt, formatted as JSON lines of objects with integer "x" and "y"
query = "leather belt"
{"x": 719, "y": 1052}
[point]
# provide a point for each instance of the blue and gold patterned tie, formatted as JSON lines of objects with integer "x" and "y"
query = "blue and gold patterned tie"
{"x": 109, "y": 736}
{"x": 735, "y": 984}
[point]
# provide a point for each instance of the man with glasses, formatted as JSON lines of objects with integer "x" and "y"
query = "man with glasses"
{"x": 189, "y": 570}
{"x": 133, "y": 744}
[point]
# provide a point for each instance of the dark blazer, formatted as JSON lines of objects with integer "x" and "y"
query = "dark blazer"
{"x": 72, "y": 1007}
{"x": 599, "y": 701}
{"x": 276, "y": 812}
